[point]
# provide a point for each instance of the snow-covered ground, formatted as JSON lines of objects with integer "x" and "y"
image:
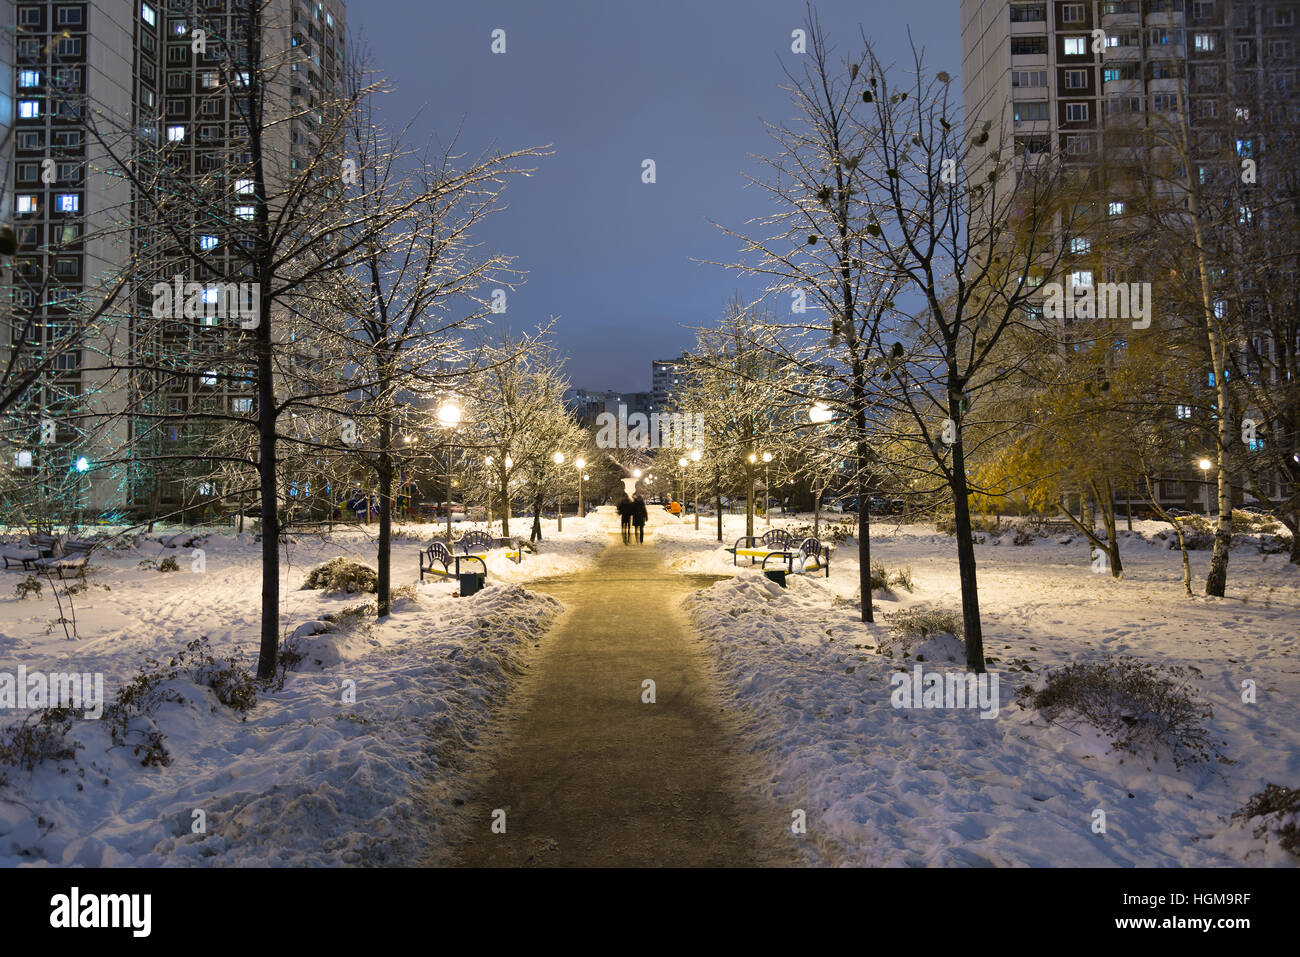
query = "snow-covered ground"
{"x": 309, "y": 776}
{"x": 896, "y": 786}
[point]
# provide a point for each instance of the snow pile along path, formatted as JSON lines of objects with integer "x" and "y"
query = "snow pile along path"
{"x": 886, "y": 785}
{"x": 331, "y": 770}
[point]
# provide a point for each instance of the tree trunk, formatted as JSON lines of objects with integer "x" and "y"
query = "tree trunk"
{"x": 717, "y": 495}
{"x": 268, "y": 480}
{"x": 970, "y": 599}
{"x": 384, "y": 470}
{"x": 749, "y": 501}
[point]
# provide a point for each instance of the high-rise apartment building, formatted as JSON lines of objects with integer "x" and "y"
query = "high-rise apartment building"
{"x": 96, "y": 84}
{"x": 1073, "y": 78}
{"x": 1086, "y": 82}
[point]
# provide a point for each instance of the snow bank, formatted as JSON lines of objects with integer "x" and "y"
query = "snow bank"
{"x": 337, "y": 768}
{"x": 884, "y": 785}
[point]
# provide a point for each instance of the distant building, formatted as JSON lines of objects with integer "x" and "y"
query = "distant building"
{"x": 587, "y": 405}
{"x": 667, "y": 381}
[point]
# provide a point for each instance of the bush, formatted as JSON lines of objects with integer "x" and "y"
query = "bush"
{"x": 1138, "y": 705}
{"x": 924, "y": 622}
{"x": 31, "y": 585}
{"x": 947, "y": 524}
{"x": 140, "y": 697}
{"x": 353, "y": 617}
{"x": 41, "y": 736}
{"x": 168, "y": 564}
{"x": 342, "y": 574}
{"x": 1279, "y": 810}
{"x": 1024, "y": 536}
{"x": 882, "y": 579}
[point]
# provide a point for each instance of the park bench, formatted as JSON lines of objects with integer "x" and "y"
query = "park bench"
{"x": 73, "y": 557}
{"x": 436, "y": 553}
{"x": 476, "y": 543}
{"x": 776, "y": 541}
{"x": 42, "y": 546}
{"x": 811, "y": 555}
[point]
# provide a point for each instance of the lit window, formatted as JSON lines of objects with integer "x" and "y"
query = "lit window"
{"x": 244, "y": 212}
{"x": 1204, "y": 42}
{"x": 147, "y": 14}
{"x": 29, "y": 77}
{"x": 208, "y": 378}
{"x": 175, "y": 134}
{"x": 1076, "y": 46}
{"x": 67, "y": 202}
{"x": 1080, "y": 245}
{"x": 23, "y": 459}
{"x": 1081, "y": 279}
{"x": 207, "y": 242}
{"x": 26, "y": 204}
{"x": 243, "y": 187}
{"x": 29, "y": 109}
{"x": 1116, "y": 208}
{"x": 1183, "y": 411}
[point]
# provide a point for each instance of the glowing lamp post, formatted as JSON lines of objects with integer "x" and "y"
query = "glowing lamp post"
{"x": 558, "y": 459}
{"x": 1205, "y": 465}
{"x": 449, "y": 417}
{"x": 767, "y": 501}
{"x": 580, "y": 464}
{"x": 696, "y": 455}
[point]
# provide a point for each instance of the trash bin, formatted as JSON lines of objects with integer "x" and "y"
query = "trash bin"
{"x": 470, "y": 583}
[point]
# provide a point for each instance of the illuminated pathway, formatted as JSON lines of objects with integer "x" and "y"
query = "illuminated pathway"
{"x": 590, "y": 774}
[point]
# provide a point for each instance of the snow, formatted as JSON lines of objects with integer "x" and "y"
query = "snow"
{"x": 933, "y": 787}
{"x": 305, "y": 778}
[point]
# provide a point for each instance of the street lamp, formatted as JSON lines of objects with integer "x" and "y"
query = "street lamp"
{"x": 558, "y": 459}
{"x": 580, "y": 464}
{"x": 449, "y": 417}
{"x": 820, "y": 413}
{"x": 1205, "y": 465}
{"x": 681, "y": 478}
{"x": 696, "y": 455}
{"x": 767, "y": 501}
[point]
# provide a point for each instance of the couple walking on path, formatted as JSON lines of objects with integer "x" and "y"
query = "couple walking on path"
{"x": 632, "y": 513}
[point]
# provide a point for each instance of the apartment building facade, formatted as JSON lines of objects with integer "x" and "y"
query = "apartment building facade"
{"x": 1080, "y": 81}
{"x": 152, "y": 80}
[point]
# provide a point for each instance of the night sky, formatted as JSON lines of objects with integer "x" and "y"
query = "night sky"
{"x": 688, "y": 84}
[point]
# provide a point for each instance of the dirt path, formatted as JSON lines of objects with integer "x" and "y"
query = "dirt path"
{"x": 590, "y": 775}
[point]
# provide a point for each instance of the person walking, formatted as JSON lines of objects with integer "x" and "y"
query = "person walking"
{"x": 625, "y": 509}
{"x": 639, "y": 515}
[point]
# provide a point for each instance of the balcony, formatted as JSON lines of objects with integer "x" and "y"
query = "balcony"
{"x": 1121, "y": 54}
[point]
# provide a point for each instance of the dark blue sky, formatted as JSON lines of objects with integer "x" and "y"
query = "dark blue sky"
{"x": 688, "y": 84}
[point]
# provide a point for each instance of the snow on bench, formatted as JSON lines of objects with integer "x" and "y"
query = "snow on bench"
{"x": 41, "y": 546}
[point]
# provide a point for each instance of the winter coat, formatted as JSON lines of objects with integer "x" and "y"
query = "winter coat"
{"x": 625, "y": 509}
{"x": 639, "y": 512}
